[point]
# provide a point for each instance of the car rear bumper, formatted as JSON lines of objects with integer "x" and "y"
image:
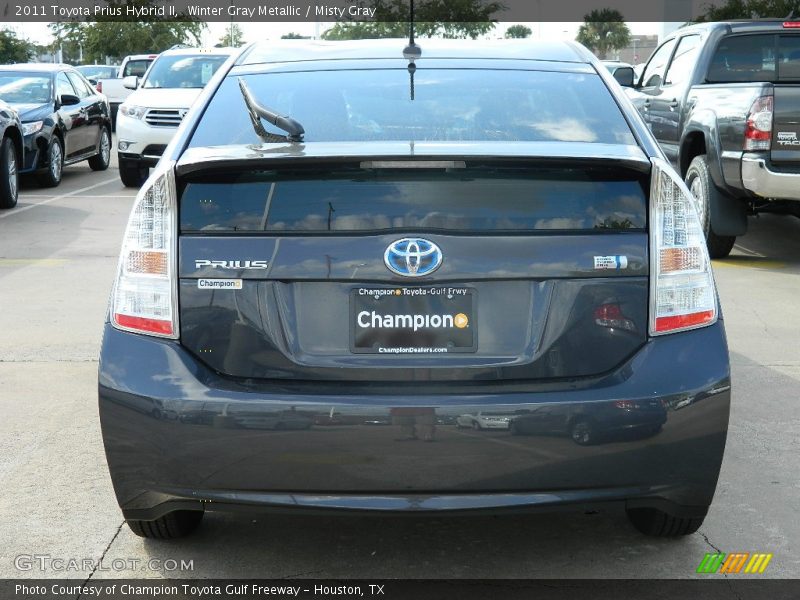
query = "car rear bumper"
{"x": 758, "y": 178}
{"x": 180, "y": 436}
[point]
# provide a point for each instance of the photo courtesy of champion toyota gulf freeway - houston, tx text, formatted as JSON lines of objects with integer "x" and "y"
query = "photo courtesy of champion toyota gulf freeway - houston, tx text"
{"x": 465, "y": 282}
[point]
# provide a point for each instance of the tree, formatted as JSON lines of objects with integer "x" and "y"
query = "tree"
{"x": 294, "y": 36}
{"x": 604, "y": 30}
{"x": 109, "y": 37}
{"x": 751, "y": 9}
{"x": 13, "y": 49}
{"x": 518, "y": 31}
{"x": 233, "y": 37}
{"x": 432, "y": 18}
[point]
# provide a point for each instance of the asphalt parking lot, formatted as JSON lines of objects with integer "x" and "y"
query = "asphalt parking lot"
{"x": 58, "y": 252}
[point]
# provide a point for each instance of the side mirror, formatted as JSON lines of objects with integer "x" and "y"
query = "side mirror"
{"x": 93, "y": 81}
{"x": 624, "y": 76}
{"x": 69, "y": 100}
{"x": 130, "y": 82}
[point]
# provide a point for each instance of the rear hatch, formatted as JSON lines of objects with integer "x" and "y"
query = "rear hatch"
{"x": 528, "y": 266}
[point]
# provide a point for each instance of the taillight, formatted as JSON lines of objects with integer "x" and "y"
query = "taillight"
{"x": 682, "y": 291}
{"x": 625, "y": 404}
{"x": 145, "y": 293}
{"x": 791, "y": 24}
{"x": 99, "y": 86}
{"x": 758, "y": 128}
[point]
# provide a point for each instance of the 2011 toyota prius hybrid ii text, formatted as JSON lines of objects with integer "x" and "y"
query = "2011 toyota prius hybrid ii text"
{"x": 467, "y": 282}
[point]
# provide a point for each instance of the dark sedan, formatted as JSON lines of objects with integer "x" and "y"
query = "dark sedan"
{"x": 361, "y": 233}
{"x": 10, "y": 155}
{"x": 64, "y": 119}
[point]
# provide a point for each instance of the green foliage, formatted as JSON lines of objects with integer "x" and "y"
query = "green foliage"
{"x": 233, "y": 37}
{"x": 13, "y": 49}
{"x": 294, "y": 36}
{"x": 518, "y": 31}
{"x": 751, "y": 9}
{"x": 455, "y": 19}
{"x": 116, "y": 39}
{"x": 604, "y": 30}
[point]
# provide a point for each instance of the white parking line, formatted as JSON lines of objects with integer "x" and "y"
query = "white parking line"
{"x": 748, "y": 251}
{"x": 60, "y": 197}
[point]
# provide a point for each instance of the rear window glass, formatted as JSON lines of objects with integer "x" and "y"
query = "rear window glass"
{"x": 490, "y": 200}
{"x": 765, "y": 57}
{"x": 448, "y": 105}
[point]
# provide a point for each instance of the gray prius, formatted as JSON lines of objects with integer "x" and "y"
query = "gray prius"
{"x": 454, "y": 278}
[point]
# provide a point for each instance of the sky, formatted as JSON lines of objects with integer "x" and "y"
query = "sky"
{"x": 40, "y": 34}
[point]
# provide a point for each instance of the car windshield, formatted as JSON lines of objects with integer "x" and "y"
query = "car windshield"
{"x": 449, "y": 104}
{"x": 98, "y": 71}
{"x": 183, "y": 71}
{"x": 25, "y": 88}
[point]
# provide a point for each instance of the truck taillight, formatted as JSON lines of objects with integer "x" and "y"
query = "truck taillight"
{"x": 682, "y": 291}
{"x": 758, "y": 127}
{"x": 99, "y": 87}
{"x": 144, "y": 299}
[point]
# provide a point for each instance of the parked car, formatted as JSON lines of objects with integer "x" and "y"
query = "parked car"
{"x": 94, "y": 73}
{"x": 151, "y": 115}
{"x": 10, "y": 155}
{"x": 64, "y": 119}
{"x": 134, "y": 65}
{"x": 723, "y": 100}
{"x": 338, "y": 229}
{"x": 483, "y": 420}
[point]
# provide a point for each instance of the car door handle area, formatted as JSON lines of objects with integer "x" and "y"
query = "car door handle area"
{"x": 674, "y": 104}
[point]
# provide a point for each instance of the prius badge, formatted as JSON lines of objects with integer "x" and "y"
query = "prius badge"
{"x": 412, "y": 257}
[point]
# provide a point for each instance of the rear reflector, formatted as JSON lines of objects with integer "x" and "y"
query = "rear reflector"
{"x": 145, "y": 294}
{"x": 682, "y": 291}
{"x": 791, "y": 24}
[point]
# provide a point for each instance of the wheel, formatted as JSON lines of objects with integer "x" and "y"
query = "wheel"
{"x": 651, "y": 521}
{"x": 9, "y": 174}
{"x": 172, "y": 525}
{"x": 476, "y": 426}
{"x": 582, "y": 432}
{"x": 131, "y": 173}
{"x": 101, "y": 160}
{"x": 698, "y": 180}
{"x": 514, "y": 428}
{"x": 51, "y": 177}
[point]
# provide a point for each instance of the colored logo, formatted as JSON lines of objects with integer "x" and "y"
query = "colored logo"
{"x": 461, "y": 320}
{"x": 412, "y": 257}
{"x": 737, "y": 562}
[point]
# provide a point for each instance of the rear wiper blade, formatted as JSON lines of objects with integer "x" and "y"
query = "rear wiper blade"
{"x": 258, "y": 112}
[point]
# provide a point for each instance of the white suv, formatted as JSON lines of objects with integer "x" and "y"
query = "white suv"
{"x": 150, "y": 116}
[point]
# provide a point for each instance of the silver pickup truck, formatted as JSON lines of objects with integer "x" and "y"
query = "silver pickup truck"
{"x": 114, "y": 90}
{"x": 723, "y": 101}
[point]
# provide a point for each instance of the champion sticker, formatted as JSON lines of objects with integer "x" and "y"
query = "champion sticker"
{"x": 610, "y": 262}
{"x": 219, "y": 284}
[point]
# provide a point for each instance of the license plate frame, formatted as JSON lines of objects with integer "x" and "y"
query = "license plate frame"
{"x": 450, "y": 326}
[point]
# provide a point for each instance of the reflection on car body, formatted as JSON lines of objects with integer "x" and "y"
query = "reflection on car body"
{"x": 591, "y": 424}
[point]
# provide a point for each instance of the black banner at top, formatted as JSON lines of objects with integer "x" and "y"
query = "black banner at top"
{"x": 337, "y": 10}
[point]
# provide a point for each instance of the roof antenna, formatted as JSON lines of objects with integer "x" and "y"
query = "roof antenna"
{"x": 411, "y": 52}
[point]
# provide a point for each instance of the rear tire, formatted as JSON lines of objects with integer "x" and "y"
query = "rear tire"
{"x": 132, "y": 173}
{"x": 9, "y": 174}
{"x": 101, "y": 160}
{"x": 51, "y": 177}
{"x": 476, "y": 426}
{"x": 698, "y": 180}
{"x": 173, "y": 525}
{"x": 657, "y": 523}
